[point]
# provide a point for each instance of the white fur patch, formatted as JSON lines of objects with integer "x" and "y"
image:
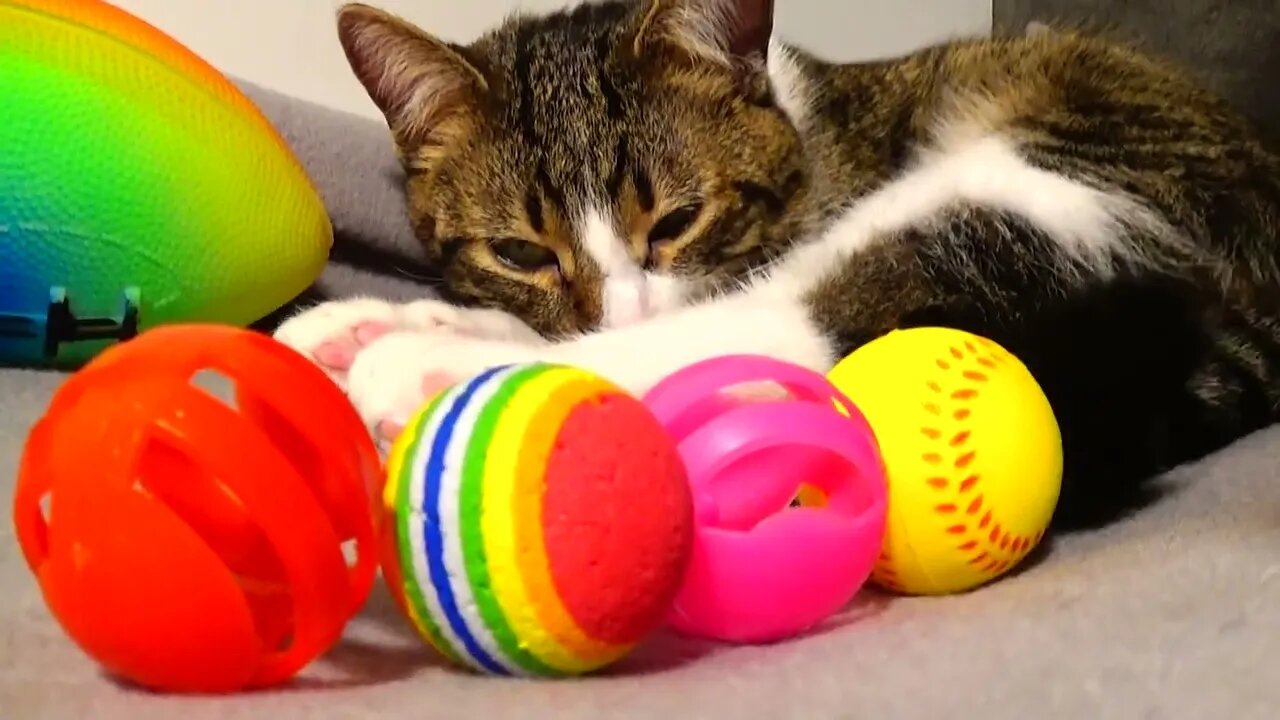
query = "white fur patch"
{"x": 638, "y": 356}
{"x": 985, "y": 171}
{"x": 630, "y": 294}
{"x": 789, "y": 84}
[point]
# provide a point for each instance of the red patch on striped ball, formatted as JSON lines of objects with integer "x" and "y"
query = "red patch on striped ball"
{"x": 617, "y": 518}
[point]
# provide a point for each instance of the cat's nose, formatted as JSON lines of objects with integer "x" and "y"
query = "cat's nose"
{"x": 626, "y": 301}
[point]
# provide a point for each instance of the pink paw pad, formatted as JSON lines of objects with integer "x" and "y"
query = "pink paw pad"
{"x": 335, "y": 354}
{"x": 389, "y": 430}
{"x": 368, "y": 331}
{"x": 340, "y": 353}
{"x": 434, "y": 382}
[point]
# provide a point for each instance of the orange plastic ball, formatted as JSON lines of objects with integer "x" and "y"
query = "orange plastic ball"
{"x": 190, "y": 544}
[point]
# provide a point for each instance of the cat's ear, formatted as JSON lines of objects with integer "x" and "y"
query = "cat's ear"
{"x": 730, "y": 32}
{"x": 416, "y": 80}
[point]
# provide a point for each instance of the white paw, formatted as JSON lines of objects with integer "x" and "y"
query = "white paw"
{"x": 393, "y": 377}
{"x": 333, "y": 333}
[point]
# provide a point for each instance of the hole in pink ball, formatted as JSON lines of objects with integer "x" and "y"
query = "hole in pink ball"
{"x": 744, "y": 499}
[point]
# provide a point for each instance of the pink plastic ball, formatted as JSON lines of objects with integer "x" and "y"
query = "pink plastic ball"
{"x": 764, "y": 567}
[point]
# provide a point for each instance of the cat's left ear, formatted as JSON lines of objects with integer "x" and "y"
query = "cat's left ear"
{"x": 727, "y": 32}
{"x": 419, "y": 82}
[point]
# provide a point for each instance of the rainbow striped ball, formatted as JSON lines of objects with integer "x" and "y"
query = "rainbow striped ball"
{"x": 538, "y": 522}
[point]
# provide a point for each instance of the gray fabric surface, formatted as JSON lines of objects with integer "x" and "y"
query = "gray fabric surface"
{"x": 352, "y": 162}
{"x": 1174, "y": 613}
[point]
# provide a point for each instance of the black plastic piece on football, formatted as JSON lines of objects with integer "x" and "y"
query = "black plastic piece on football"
{"x": 62, "y": 326}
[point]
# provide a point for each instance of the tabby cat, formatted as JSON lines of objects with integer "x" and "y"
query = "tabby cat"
{"x": 630, "y": 186}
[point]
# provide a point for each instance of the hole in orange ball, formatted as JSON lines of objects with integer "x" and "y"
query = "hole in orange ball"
{"x": 217, "y": 384}
{"x": 350, "y": 552}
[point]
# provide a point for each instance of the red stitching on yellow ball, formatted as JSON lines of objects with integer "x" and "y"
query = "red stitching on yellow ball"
{"x": 982, "y": 542}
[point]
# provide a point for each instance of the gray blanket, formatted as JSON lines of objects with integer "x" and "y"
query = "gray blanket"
{"x": 352, "y": 162}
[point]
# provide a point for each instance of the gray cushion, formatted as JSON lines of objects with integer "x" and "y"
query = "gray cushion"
{"x": 353, "y": 164}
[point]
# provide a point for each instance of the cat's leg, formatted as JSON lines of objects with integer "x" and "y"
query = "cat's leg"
{"x": 333, "y": 333}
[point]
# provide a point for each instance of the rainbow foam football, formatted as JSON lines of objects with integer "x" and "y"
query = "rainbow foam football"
{"x": 138, "y": 187}
{"x": 539, "y": 522}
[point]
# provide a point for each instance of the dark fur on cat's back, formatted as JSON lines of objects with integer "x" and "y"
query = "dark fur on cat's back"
{"x": 1170, "y": 357}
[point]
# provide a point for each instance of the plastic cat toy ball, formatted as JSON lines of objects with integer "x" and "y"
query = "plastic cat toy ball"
{"x": 972, "y": 451}
{"x": 138, "y": 187}
{"x": 190, "y": 541}
{"x": 539, "y": 522}
{"x": 762, "y": 570}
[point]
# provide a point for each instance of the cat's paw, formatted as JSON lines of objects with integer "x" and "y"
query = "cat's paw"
{"x": 333, "y": 333}
{"x": 391, "y": 379}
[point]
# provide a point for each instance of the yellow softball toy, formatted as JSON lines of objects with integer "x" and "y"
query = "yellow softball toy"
{"x": 972, "y": 451}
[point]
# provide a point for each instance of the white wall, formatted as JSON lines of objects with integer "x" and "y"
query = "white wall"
{"x": 291, "y": 46}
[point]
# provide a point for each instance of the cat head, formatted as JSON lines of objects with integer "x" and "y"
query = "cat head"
{"x": 596, "y": 166}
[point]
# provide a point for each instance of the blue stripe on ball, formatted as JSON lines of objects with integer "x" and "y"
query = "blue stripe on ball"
{"x": 440, "y": 578}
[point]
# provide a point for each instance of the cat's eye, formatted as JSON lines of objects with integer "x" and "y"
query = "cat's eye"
{"x": 673, "y": 224}
{"x": 523, "y": 255}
